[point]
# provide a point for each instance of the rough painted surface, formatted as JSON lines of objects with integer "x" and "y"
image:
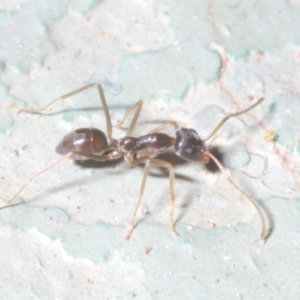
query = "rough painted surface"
{"x": 192, "y": 62}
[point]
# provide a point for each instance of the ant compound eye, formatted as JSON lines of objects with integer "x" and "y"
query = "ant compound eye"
{"x": 191, "y": 151}
{"x": 189, "y": 145}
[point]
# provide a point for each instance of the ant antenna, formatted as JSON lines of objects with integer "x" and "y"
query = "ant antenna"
{"x": 230, "y": 116}
{"x": 264, "y": 233}
{"x": 191, "y": 147}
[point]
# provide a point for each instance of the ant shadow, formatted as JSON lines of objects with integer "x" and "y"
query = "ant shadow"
{"x": 211, "y": 167}
{"x": 168, "y": 156}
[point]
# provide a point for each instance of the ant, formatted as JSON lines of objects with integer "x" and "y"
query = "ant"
{"x": 92, "y": 143}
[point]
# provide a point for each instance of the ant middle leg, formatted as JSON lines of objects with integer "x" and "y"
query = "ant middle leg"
{"x": 137, "y": 106}
{"x": 159, "y": 163}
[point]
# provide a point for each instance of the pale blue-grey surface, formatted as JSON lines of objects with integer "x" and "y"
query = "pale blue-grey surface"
{"x": 192, "y": 62}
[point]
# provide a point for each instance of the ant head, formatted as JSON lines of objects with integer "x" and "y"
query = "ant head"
{"x": 189, "y": 146}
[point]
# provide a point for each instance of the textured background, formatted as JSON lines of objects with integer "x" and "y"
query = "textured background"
{"x": 191, "y": 61}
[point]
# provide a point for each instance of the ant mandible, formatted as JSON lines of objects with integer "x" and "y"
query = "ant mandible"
{"x": 92, "y": 143}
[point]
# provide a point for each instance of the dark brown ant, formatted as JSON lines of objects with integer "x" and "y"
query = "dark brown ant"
{"x": 92, "y": 143}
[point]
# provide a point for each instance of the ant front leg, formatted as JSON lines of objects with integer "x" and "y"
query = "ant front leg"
{"x": 68, "y": 95}
{"x": 164, "y": 126}
{"x": 96, "y": 157}
{"x": 159, "y": 163}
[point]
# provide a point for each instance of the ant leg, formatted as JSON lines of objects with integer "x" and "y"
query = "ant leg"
{"x": 163, "y": 126}
{"x": 32, "y": 178}
{"x": 138, "y": 106}
{"x": 68, "y": 95}
{"x": 264, "y": 233}
{"x": 69, "y": 155}
{"x": 60, "y": 98}
{"x": 162, "y": 164}
{"x": 232, "y": 115}
{"x": 106, "y": 112}
{"x": 146, "y": 171}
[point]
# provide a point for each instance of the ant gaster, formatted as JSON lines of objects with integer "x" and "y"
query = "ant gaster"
{"x": 91, "y": 143}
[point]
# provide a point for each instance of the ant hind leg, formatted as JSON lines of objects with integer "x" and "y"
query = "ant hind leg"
{"x": 70, "y": 94}
{"x": 32, "y": 178}
{"x": 69, "y": 155}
